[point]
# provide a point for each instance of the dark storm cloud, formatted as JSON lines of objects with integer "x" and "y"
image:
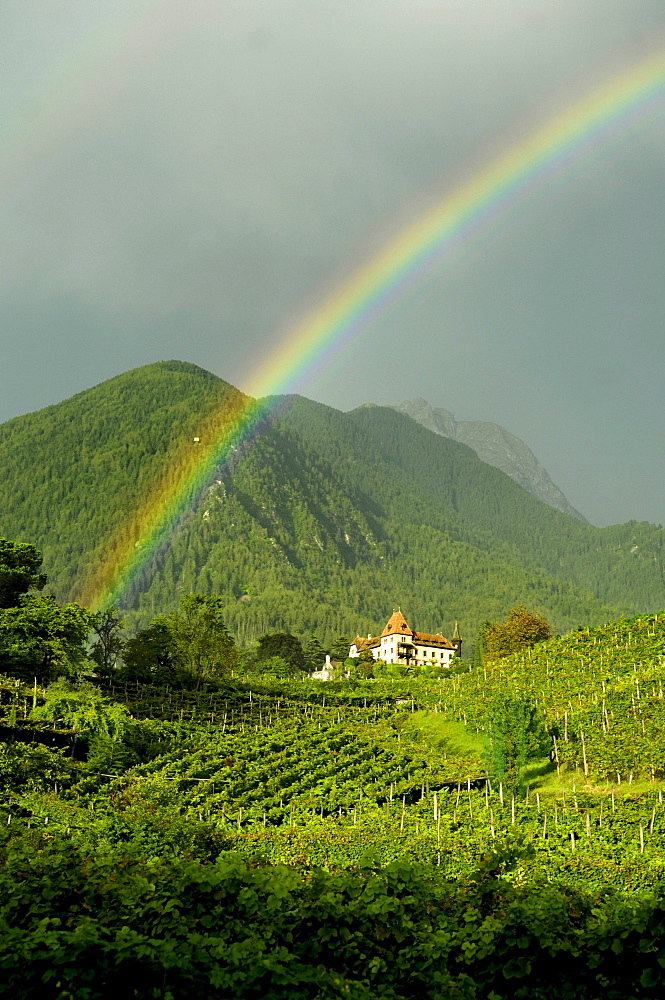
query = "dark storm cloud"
{"x": 180, "y": 176}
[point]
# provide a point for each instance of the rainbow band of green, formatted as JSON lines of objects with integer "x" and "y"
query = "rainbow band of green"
{"x": 585, "y": 126}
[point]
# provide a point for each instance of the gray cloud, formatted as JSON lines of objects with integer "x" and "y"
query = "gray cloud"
{"x": 179, "y": 177}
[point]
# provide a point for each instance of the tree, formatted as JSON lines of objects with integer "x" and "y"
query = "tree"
{"x": 19, "y": 565}
{"x": 107, "y": 626}
{"x": 517, "y": 735}
{"x": 276, "y": 666}
{"x": 339, "y": 649}
{"x": 479, "y": 648}
{"x": 284, "y": 645}
{"x": 521, "y": 630}
{"x": 204, "y": 648}
{"x": 361, "y": 667}
{"x": 314, "y": 654}
{"x": 151, "y": 654}
{"x": 43, "y": 640}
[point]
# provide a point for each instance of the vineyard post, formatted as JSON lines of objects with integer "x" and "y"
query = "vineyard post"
{"x": 584, "y": 761}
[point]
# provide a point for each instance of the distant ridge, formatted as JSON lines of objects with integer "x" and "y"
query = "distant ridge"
{"x": 496, "y": 446}
{"x": 326, "y": 521}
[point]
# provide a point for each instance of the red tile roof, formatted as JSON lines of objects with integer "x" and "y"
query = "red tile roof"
{"x": 361, "y": 643}
{"x": 396, "y": 623}
{"x": 427, "y": 639}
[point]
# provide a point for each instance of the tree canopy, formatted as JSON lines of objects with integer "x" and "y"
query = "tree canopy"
{"x": 151, "y": 654}
{"x": 284, "y": 645}
{"x": 521, "y": 630}
{"x": 108, "y": 647}
{"x": 40, "y": 639}
{"x": 204, "y": 647}
{"x": 19, "y": 571}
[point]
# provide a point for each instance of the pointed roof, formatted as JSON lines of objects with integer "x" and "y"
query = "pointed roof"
{"x": 396, "y": 623}
{"x": 456, "y": 634}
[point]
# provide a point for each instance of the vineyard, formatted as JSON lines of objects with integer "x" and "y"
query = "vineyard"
{"x": 374, "y": 838}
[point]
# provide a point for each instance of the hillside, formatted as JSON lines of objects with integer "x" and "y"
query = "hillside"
{"x": 490, "y": 834}
{"x": 496, "y": 446}
{"x": 481, "y": 506}
{"x": 324, "y": 524}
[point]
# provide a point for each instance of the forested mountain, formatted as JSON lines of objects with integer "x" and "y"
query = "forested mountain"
{"x": 324, "y": 523}
{"x": 496, "y": 446}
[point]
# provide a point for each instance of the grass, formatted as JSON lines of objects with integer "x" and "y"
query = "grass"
{"x": 452, "y": 737}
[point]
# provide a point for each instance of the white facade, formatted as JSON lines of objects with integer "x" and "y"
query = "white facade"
{"x": 400, "y": 644}
{"x": 326, "y": 673}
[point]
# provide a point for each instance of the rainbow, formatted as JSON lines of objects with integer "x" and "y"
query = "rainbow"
{"x": 583, "y": 128}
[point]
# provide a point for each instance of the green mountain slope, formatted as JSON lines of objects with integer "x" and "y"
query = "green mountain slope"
{"x": 325, "y": 523}
{"x": 494, "y": 445}
{"x": 622, "y": 565}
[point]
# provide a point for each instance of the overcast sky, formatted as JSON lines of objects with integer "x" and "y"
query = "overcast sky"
{"x": 178, "y": 179}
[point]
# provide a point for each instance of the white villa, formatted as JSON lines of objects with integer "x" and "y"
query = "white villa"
{"x": 400, "y": 644}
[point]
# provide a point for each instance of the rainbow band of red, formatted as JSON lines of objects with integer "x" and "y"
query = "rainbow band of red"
{"x": 427, "y": 243}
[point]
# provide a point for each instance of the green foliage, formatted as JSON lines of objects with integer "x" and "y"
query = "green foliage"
{"x": 284, "y": 645}
{"x": 319, "y": 527}
{"x": 204, "y": 649}
{"x": 264, "y": 836}
{"x": 339, "y": 647}
{"x": 521, "y": 630}
{"x": 38, "y": 638}
{"x": 362, "y": 666}
{"x": 150, "y": 656}
{"x": 19, "y": 565}
{"x": 479, "y": 649}
{"x": 517, "y": 735}
{"x": 181, "y": 929}
{"x": 108, "y": 647}
{"x": 32, "y": 769}
{"x": 82, "y": 707}
{"x": 274, "y": 666}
